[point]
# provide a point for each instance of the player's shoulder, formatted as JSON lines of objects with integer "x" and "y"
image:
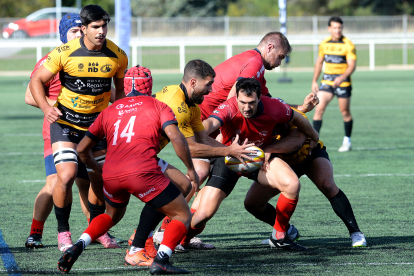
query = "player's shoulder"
{"x": 39, "y": 63}
{"x": 326, "y": 40}
{"x": 116, "y": 49}
{"x": 68, "y": 48}
{"x": 347, "y": 41}
{"x": 171, "y": 94}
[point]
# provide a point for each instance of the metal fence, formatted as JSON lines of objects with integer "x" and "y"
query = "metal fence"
{"x": 245, "y": 26}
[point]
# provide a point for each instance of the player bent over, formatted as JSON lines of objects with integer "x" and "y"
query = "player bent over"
{"x": 318, "y": 168}
{"x": 253, "y": 118}
{"x": 69, "y": 29}
{"x": 133, "y": 127}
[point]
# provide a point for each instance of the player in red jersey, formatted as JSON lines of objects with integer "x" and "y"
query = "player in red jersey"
{"x": 133, "y": 127}
{"x": 253, "y": 118}
{"x": 69, "y": 29}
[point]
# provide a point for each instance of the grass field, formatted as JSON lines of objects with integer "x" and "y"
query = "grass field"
{"x": 377, "y": 176}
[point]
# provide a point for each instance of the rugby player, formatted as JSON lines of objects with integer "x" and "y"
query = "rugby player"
{"x": 339, "y": 56}
{"x": 318, "y": 168}
{"x": 133, "y": 127}
{"x": 253, "y": 117}
{"x": 86, "y": 67}
{"x": 69, "y": 29}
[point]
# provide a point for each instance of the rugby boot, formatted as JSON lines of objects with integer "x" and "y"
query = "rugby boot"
{"x": 139, "y": 258}
{"x": 64, "y": 241}
{"x": 196, "y": 243}
{"x": 34, "y": 241}
{"x": 131, "y": 239}
{"x": 293, "y": 233}
{"x": 150, "y": 248}
{"x": 285, "y": 243}
{"x": 162, "y": 265}
{"x": 358, "y": 239}
{"x": 107, "y": 242}
{"x": 115, "y": 239}
{"x": 69, "y": 257}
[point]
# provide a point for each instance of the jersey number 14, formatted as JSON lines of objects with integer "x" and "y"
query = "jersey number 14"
{"x": 127, "y": 132}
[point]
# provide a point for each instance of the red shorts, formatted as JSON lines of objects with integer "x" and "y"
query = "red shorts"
{"x": 144, "y": 186}
{"x": 46, "y": 138}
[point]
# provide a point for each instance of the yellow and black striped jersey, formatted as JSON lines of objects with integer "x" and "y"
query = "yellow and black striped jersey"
{"x": 85, "y": 77}
{"x": 335, "y": 54}
{"x": 188, "y": 114}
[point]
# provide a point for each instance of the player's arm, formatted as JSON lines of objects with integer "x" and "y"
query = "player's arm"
{"x": 28, "y": 98}
{"x": 316, "y": 72}
{"x": 311, "y": 100}
{"x": 36, "y": 85}
{"x": 119, "y": 88}
{"x": 292, "y": 142}
{"x": 232, "y": 92}
{"x": 351, "y": 67}
{"x": 112, "y": 99}
{"x": 84, "y": 150}
{"x": 182, "y": 150}
{"x": 304, "y": 125}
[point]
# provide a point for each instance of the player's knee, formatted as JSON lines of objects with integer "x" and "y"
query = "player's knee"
{"x": 202, "y": 173}
{"x": 251, "y": 206}
{"x": 291, "y": 186}
{"x": 63, "y": 156}
{"x": 203, "y": 215}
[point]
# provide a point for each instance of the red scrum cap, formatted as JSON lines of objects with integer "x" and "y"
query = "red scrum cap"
{"x": 138, "y": 79}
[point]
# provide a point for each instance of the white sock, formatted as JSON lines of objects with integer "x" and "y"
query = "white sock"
{"x": 347, "y": 140}
{"x": 165, "y": 249}
{"x": 134, "y": 250}
{"x": 86, "y": 239}
{"x": 150, "y": 235}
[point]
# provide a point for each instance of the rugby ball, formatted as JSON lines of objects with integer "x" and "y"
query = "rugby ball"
{"x": 251, "y": 165}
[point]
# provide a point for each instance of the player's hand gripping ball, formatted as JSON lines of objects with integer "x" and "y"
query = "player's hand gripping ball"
{"x": 251, "y": 165}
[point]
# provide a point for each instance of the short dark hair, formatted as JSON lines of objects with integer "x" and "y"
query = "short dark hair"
{"x": 249, "y": 86}
{"x": 199, "y": 69}
{"x": 279, "y": 40}
{"x": 336, "y": 19}
{"x": 92, "y": 13}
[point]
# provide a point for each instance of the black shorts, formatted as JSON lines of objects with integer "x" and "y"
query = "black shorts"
{"x": 170, "y": 193}
{"x": 64, "y": 133}
{"x": 302, "y": 168}
{"x": 221, "y": 177}
{"x": 340, "y": 92}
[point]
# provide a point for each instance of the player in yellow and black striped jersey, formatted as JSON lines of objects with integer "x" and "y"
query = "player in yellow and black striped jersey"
{"x": 86, "y": 67}
{"x": 339, "y": 56}
{"x": 318, "y": 168}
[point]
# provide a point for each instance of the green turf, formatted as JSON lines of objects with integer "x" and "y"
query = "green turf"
{"x": 376, "y": 176}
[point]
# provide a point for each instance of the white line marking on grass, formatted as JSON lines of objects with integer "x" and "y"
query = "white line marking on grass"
{"x": 213, "y": 265}
{"x": 30, "y": 181}
{"x": 21, "y": 134}
{"x": 375, "y": 148}
{"x": 374, "y": 175}
{"x": 20, "y": 153}
{"x": 363, "y": 107}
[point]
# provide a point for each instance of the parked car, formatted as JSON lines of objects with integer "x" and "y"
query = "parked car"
{"x": 40, "y": 23}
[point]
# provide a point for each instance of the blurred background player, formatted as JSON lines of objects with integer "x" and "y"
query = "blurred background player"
{"x": 133, "y": 127}
{"x": 86, "y": 67}
{"x": 339, "y": 56}
{"x": 69, "y": 29}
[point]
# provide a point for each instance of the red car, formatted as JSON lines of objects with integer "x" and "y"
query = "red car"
{"x": 40, "y": 23}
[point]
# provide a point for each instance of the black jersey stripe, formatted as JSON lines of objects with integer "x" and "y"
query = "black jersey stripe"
{"x": 77, "y": 118}
{"x": 336, "y": 59}
{"x": 92, "y": 86}
{"x": 332, "y": 77}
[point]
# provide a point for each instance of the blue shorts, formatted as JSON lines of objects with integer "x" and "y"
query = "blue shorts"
{"x": 51, "y": 169}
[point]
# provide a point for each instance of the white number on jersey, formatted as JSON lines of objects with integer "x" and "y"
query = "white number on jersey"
{"x": 127, "y": 132}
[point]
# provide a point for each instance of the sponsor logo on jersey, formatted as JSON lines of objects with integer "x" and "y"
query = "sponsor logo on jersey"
{"x": 147, "y": 193}
{"x": 216, "y": 112}
{"x": 74, "y": 101}
{"x": 41, "y": 63}
{"x": 92, "y": 68}
{"x": 288, "y": 110}
{"x": 121, "y": 51}
{"x": 62, "y": 48}
{"x": 66, "y": 131}
{"x": 260, "y": 71}
{"x": 222, "y": 106}
{"x": 183, "y": 108}
{"x": 131, "y": 101}
{"x": 106, "y": 68}
{"x": 121, "y": 106}
{"x": 49, "y": 59}
{"x": 80, "y": 67}
{"x": 74, "y": 133}
{"x": 80, "y": 84}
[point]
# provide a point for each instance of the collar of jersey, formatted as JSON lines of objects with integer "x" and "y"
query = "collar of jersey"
{"x": 187, "y": 100}
{"x": 341, "y": 40}
{"x": 92, "y": 52}
{"x": 260, "y": 109}
{"x": 257, "y": 50}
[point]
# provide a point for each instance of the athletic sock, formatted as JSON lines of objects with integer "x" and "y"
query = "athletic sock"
{"x": 342, "y": 208}
{"x": 134, "y": 250}
{"x": 348, "y": 128}
{"x": 284, "y": 211}
{"x": 268, "y": 215}
{"x": 192, "y": 232}
{"x": 317, "y": 124}
{"x": 99, "y": 226}
{"x": 37, "y": 227}
{"x": 95, "y": 210}
{"x": 62, "y": 217}
{"x": 174, "y": 233}
{"x": 148, "y": 220}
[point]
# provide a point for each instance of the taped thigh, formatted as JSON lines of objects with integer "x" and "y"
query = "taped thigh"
{"x": 65, "y": 155}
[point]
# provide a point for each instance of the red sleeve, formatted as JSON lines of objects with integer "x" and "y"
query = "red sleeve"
{"x": 225, "y": 112}
{"x": 167, "y": 116}
{"x": 96, "y": 131}
{"x": 251, "y": 69}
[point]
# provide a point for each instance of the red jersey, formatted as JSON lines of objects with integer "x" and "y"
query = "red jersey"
{"x": 258, "y": 129}
{"x": 52, "y": 90}
{"x": 248, "y": 64}
{"x": 132, "y": 127}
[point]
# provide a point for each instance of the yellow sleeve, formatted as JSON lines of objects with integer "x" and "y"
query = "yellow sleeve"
{"x": 122, "y": 67}
{"x": 320, "y": 53}
{"x": 54, "y": 62}
{"x": 196, "y": 123}
{"x": 351, "y": 53}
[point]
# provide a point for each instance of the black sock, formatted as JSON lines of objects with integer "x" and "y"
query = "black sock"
{"x": 342, "y": 207}
{"x": 348, "y": 128}
{"x": 268, "y": 215}
{"x": 317, "y": 124}
{"x": 95, "y": 210}
{"x": 148, "y": 220}
{"x": 62, "y": 217}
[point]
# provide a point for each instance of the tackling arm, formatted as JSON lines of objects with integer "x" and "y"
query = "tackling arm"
{"x": 28, "y": 98}
{"x": 304, "y": 125}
